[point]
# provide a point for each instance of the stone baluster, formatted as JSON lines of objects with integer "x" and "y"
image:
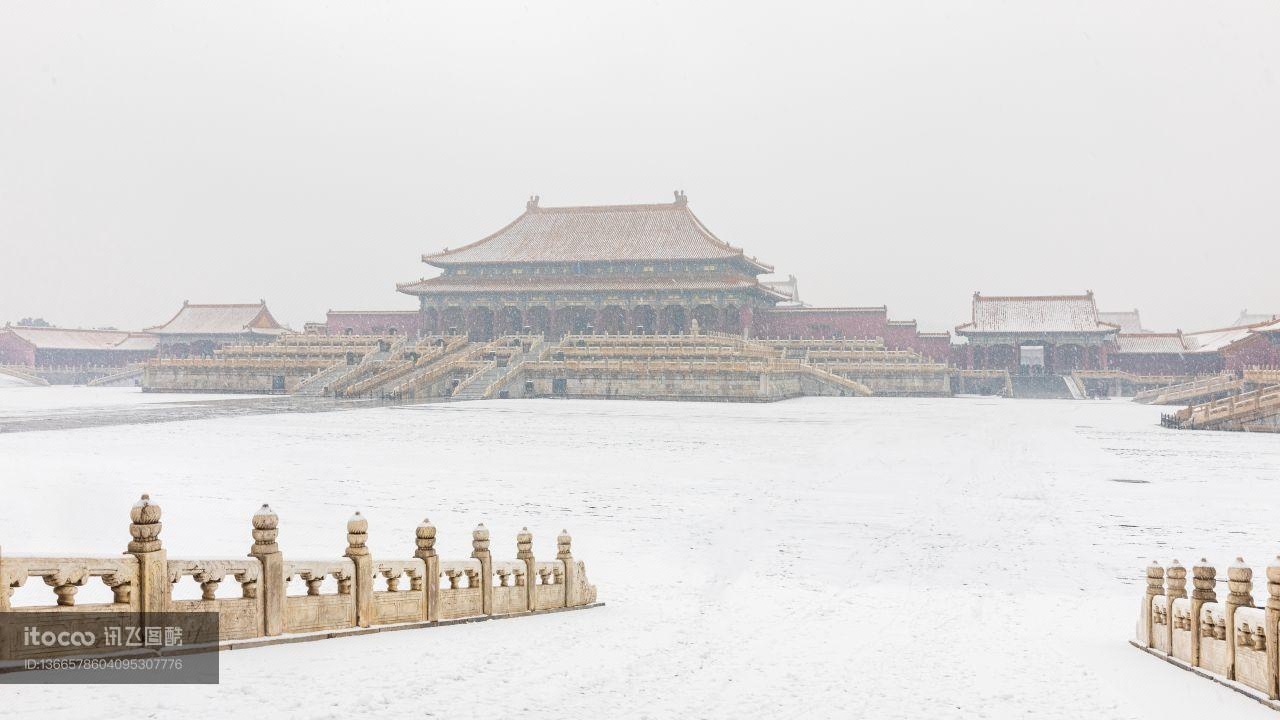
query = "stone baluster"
{"x": 154, "y": 590}
{"x": 1175, "y": 589}
{"x": 271, "y": 581}
{"x": 357, "y": 536}
{"x": 1155, "y": 588}
{"x": 480, "y": 551}
{"x": 564, "y": 553}
{"x": 65, "y": 583}
{"x": 454, "y": 576}
{"x": 1273, "y": 629}
{"x": 524, "y": 553}
{"x": 1204, "y": 580}
{"x": 393, "y": 580}
{"x": 426, "y": 551}
{"x": 1240, "y": 594}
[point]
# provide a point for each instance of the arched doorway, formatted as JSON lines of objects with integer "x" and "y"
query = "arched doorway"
{"x": 673, "y": 320}
{"x": 480, "y": 324}
{"x": 451, "y": 320}
{"x": 643, "y": 320}
{"x": 430, "y": 321}
{"x": 512, "y": 320}
{"x": 707, "y": 317}
{"x": 613, "y": 319}
{"x": 538, "y": 318}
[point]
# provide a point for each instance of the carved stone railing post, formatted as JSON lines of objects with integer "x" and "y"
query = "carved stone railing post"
{"x": 524, "y": 552}
{"x": 357, "y": 536}
{"x": 1175, "y": 589}
{"x": 271, "y": 585}
{"x": 564, "y": 553}
{"x": 480, "y": 551}
{"x": 1204, "y": 580}
{"x": 1273, "y": 629}
{"x": 1155, "y": 588}
{"x": 1240, "y": 594}
{"x": 153, "y": 566}
{"x": 426, "y": 552}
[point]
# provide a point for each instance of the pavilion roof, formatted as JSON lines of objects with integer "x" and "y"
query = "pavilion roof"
{"x": 1035, "y": 314}
{"x": 1128, "y": 321}
{"x": 229, "y": 319}
{"x": 1150, "y": 343}
{"x": 598, "y": 233}
{"x": 585, "y": 283}
{"x": 51, "y": 338}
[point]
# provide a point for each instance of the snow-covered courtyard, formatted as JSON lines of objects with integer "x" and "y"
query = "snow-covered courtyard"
{"x": 824, "y": 557}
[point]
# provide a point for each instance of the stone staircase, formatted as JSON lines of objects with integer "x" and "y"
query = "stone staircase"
{"x": 316, "y": 385}
{"x": 485, "y": 383}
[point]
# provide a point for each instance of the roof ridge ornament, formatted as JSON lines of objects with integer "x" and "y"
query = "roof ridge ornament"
{"x": 533, "y": 202}
{"x": 681, "y": 198}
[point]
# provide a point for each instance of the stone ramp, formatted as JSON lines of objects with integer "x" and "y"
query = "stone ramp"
{"x": 1053, "y": 387}
{"x": 1195, "y": 391}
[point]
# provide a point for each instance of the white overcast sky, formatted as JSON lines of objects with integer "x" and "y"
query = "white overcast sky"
{"x": 897, "y": 152}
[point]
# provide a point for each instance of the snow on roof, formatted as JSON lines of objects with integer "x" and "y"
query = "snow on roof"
{"x": 1151, "y": 343}
{"x": 666, "y": 231}
{"x": 49, "y": 338}
{"x": 1129, "y": 321}
{"x": 1271, "y": 327}
{"x": 1034, "y": 313}
{"x": 195, "y": 319}
{"x": 1214, "y": 340}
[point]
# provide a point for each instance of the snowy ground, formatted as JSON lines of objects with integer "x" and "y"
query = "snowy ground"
{"x": 18, "y": 400}
{"x": 825, "y": 557}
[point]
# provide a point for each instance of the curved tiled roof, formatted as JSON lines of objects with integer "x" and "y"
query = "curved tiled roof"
{"x": 1149, "y": 343}
{"x": 52, "y": 338}
{"x": 584, "y": 283}
{"x": 1035, "y": 314}
{"x": 666, "y": 231}
{"x": 232, "y": 319}
{"x": 1128, "y": 321}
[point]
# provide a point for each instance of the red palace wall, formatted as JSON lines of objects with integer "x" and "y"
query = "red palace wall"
{"x": 820, "y": 322}
{"x": 372, "y": 323}
{"x": 1166, "y": 364}
{"x": 16, "y": 351}
{"x": 1255, "y": 350}
{"x": 850, "y": 323}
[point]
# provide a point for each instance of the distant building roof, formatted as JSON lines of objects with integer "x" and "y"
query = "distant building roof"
{"x": 249, "y": 318}
{"x": 51, "y": 338}
{"x": 789, "y": 287}
{"x": 1149, "y": 343}
{"x": 1248, "y": 318}
{"x": 603, "y": 233}
{"x": 1035, "y": 314}
{"x": 1128, "y": 321}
